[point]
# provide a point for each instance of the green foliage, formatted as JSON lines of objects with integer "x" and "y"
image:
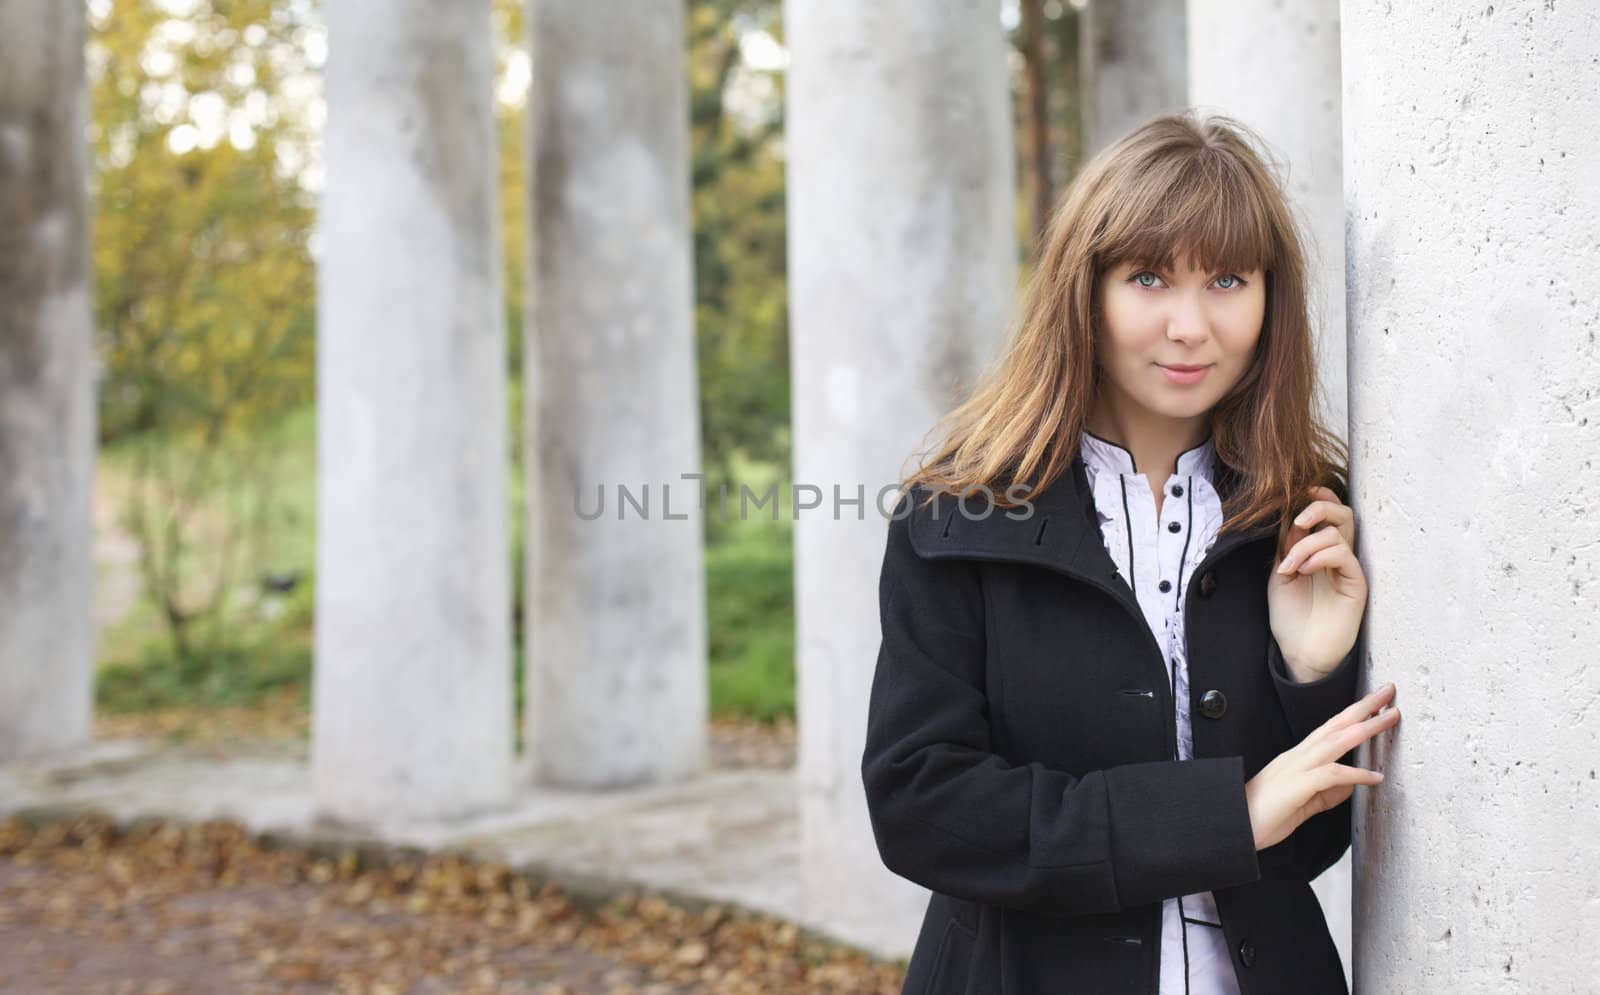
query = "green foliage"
{"x": 204, "y": 283}
{"x": 267, "y": 638}
{"x": 261, "y": 658}
{"x": 511, "y": 114}
{"x": 740, "y": 259}
{"x": 750, "y": 598}
{"x": 750, "y": 593}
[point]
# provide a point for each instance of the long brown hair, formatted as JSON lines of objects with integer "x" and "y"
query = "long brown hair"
{"x": 1172, "y": 185}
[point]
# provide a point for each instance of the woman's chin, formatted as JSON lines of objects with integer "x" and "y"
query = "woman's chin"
{"x": 1178, "y": 403}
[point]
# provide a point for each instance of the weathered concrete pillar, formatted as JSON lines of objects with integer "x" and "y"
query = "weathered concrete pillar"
{"x": 47, "y": 415}
{"x": 1281, "y": 79}
{"x": 412, "y": 697}
{"x": 616, "y": 642}
{"x": 902, "y": 272}
{"x": 1133, "y": 57}
{"x": 1470, "y": 147}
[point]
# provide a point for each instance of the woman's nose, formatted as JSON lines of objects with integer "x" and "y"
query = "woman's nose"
{"x": 1188, "y": 320}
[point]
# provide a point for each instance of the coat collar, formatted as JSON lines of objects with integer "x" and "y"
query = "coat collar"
{"x": 1061, "y": 534}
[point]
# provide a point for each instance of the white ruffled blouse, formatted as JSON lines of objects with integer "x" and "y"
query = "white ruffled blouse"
{"x": 1156, "y": 559}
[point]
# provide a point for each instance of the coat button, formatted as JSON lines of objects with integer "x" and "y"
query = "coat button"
{"x": 1164, "y": 586}
{"x": 1213, "y": 703}
{"x": 1173, "y": 526}
{"x": 1177, "y": 490}
{"x": 1208, "y": 583}
{"x": 1247, "y": 953}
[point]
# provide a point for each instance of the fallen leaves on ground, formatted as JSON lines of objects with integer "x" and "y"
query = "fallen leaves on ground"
{"x": 162, "y": 908}
{"x": 279, "y": 717}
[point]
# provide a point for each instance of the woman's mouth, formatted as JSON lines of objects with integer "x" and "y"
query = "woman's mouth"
{"x": 1184, "y": 374}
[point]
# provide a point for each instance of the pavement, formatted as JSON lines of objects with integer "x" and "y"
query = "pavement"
{"x": 730, "y": 836}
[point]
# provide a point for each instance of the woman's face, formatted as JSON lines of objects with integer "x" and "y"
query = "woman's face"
{"x": 1155, "y": 320}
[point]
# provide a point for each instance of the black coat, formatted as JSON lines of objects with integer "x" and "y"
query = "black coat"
{"x": 1020, "y": 751}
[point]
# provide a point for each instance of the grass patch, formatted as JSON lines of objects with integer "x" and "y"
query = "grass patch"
{"x": 260, "y": 488}
{"x": 238, "y": 674}
{"x": 750, "y": 598}
{"x": 750, "y": 595}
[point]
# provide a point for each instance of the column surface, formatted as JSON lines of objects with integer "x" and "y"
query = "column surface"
{"x": 412, "y": 707}
{"x": 902, "y": 270}
{"x": 47, "y": 413}
{"x": 616, "y": 657}
{"x": 1472, "y": 213}
{"x": 1133, "y": 57}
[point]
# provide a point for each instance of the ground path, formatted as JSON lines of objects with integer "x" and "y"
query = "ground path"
{"x": 91, "y": 905}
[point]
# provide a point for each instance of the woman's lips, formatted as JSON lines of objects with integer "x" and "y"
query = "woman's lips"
{"x": 1178, "y": 374}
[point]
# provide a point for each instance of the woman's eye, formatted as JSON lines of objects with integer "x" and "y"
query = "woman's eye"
{"x": 1149, "y": 280}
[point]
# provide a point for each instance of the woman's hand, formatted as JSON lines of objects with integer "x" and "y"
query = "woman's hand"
{"x": 1307, "y": 779}
{"x": 1316, "y": 606}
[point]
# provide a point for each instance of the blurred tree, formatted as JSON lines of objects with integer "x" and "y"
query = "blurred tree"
{"x": 202, "y": 118}
{"x": 1039, "y": 183}
{"x": 1064, "y": 84}
{"x": 511, "y": 103}
{"x": 735, "y": 66}
{"x": 201, "y": 137}
{"x": 1049, "y": 110}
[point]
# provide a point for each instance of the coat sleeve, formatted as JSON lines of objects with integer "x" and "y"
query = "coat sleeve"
{"x": 1321, "y": 840}
{"x": 949, "y": 813}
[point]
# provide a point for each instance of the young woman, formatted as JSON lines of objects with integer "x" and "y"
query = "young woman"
{"x": 1115, "y": 706}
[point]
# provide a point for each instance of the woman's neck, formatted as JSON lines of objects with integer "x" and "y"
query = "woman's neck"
{"x": 1155, "y": 440}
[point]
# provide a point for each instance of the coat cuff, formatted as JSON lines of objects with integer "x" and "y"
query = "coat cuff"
{"x": 1178, "y": 828}
{"x": 1308, "y": 705}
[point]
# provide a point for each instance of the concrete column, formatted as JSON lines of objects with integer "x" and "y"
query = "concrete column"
{"x": 412, "y": 693}
{"x": 47, "y": 414}
{"x": 1133, "y": 59}
{"x": 1281, "y": 79}
{"x": 1470, "y": 143}
{"x": 616, "y": 640}
{"x": 902, "y": 273}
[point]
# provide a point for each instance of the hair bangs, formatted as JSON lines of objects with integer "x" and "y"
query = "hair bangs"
{"x": 1202, "y": 208}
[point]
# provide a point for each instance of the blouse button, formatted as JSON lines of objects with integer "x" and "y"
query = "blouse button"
{"x": 1173, "y": 526}
{"x": 1177, "y": 490}
{"x": 1164, "y": 586}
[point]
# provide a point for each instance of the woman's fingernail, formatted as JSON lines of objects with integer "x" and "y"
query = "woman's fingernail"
{"x": 1379, "y": 773}
{"x": 1283, "y": 567}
